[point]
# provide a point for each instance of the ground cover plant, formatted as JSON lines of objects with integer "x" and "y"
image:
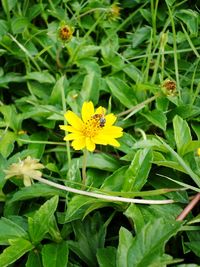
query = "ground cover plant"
{"x": 99, "y": 133}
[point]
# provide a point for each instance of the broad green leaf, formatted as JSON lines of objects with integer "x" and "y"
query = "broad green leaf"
{"x": 90, "y": 88}
{"x": 11, "y": 77}
{"x": 115, "y": 181}
{"x": 150, "y": 143}
{"x": 126, "y": 143}
{"x": 77, "y": 207}
{"x": 36, "y": 190}
{"x": 34, "y": 259}
{"x": 18, "y": 247}
{"x": 8, "y": 5}
{"x": 196, "y": 128}
{"x": 171, "y": 164}
{"x": 7, "y": 140}
{"x": 56, "y": 94}
{"x": 140, "y": 35}
{"x": 156, "y": 117}
{"x": 3, "y": 29}
{"x": 182, "y": 134}
{"x": 39, "y": 224}
{"x": 136, "y": 175}
{"x": 191, "y": 146}
{"x": 121, "y": 91}
{"x": 19, "y": 24}
{"x": 55, "y": 255}
{"x": 106, "y": 257}
{"x": 148, "y": 246}
{"x": 194, "y": 246}
{"x": 133, "y": 72}
{"x": 133, "y": 212}
{"x": 190, "y": 18}
{"x": 11, "y": 118}
{"x": 182, "y": 163}
{"x": 100, "y": 161}
{"x": 125, "y": 241}
{"x": 10, "y": 230}
{"x": 90, "y": 236}
{"x": 36, "y": 146}
{"x": 42, "y": 77}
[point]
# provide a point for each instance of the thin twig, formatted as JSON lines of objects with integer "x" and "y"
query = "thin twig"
{"x": 188, "y": 208}
{"x": 105, "y": 197}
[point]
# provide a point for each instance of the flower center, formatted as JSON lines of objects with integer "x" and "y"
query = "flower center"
{"x": 94, "y": 125}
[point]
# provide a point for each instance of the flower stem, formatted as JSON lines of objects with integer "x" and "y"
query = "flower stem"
{"x": 138, "y": 106}
{"x": 102, "y": 196}
{"x": 188, "y": 208}
{"x": 84, "y": 176}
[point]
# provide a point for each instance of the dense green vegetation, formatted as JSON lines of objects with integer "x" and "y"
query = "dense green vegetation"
{"x": 138, "y": 59}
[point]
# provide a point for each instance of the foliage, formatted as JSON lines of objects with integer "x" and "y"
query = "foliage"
{"x": 55, "y": 55}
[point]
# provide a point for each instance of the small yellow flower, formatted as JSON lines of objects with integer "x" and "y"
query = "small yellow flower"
{"x": 94, "y": 128}
{"x": 25, "y": 169}
{"x": 114, "y": 12}
{"x": 169, "y": 87}
{"x": 65, "y": 32}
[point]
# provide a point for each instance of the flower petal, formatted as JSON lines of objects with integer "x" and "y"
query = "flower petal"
{"x": 69, "y": 128}
{"x": 100, "y": 140}
{"x": 114, "y": 142}
{"x": 112, "y": 131}
{"x": 87, "y": 110}
{"x": 72, "y": 136}
{"x": 100, "y": 110}
{"x": 79, "y": 144}
{"x": 90, "y": 145}
{"x": 74, "y": 120}
{"x": 110, "y": 119}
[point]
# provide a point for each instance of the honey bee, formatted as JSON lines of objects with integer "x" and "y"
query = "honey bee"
{"x": 100, "y": 118}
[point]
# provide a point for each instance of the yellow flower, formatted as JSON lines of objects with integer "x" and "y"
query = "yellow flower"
{"x": 25, "y": 169}
{"x": 114, "y": 11}
{"x": 65, "y": 32}
{"x": 198, "y": 152}
{"x": 94, "y": 128}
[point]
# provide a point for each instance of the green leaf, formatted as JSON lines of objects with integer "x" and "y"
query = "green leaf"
{"x": 194, "y": 246}
{"x": 90, "y": 88}
{"x": 182, "y": 163}
{"x": 136, "y": 175}
{"x": 56, "y": 94}
{"x": 77, "y": 207}
{"x": 133, "y": 212}
{"x": 55, "y": 255}
{"x": 148, "y": 246}
{"x": 190, "y": 18}
{"x": 34, "y": 260}
{"x": 90, "y": 236}
{"x": 11, "y": 118}
{"x": 42, "y": 77}
{"x": 34, "y": 191}
{"x": 8, "y": 5}
{"x": 106, "y": 257}
{"x": 10, "y": 230}
{"x": 156, "y": 117}
{"x": 18, "y": 24}
{"x": 100, "y": 161}
{"x": 36, "y": 146}
{"x": 18, "y": 247}
{"x": 7, "y": 140}
{"x": 115, "y": 181}
{"x": 40, "y": 222}
{"x": 125, "y": 241}
{"x": 182, "y": 134}
{"x": 121, "y": 91}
